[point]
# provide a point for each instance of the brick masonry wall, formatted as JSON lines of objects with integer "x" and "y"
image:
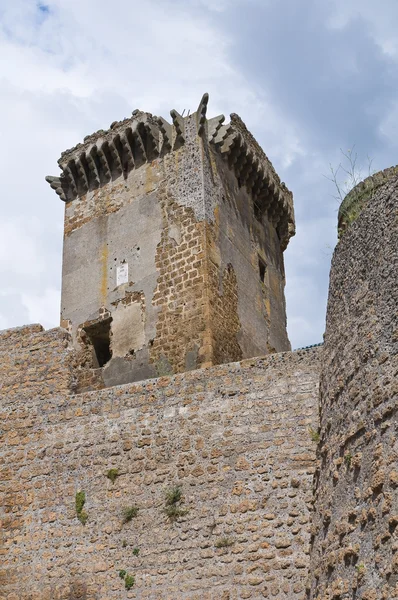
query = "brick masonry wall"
{"x": 181, "y": 341}
{"x": 235, "y": 438}
{"x": 355, "y": 541}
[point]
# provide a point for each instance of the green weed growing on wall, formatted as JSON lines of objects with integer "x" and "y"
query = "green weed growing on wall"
{"x": 80, "y": 500}
{"x": 113, "y": 474}
{"x": 173, "y": 499}
{"x": 129, "y": 513}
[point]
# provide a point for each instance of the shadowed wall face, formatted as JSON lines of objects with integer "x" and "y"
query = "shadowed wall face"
{"x": 354, "y": 552}
{"x": 173, "y": 248}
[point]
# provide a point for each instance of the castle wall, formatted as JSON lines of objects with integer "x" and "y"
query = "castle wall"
{"x": 34, "y": 362}
{"x": 354, "y": 552}
{"x": 236, "y": 438}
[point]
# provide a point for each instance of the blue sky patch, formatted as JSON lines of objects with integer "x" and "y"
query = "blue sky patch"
{"x": 43, "y": 12}
{"x": 43, "y": 8}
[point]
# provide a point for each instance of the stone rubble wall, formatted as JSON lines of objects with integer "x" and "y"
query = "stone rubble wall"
{"x": 236, "y": 438}
{"x": 34, "y": 362}
{"x": 355, "y": 543}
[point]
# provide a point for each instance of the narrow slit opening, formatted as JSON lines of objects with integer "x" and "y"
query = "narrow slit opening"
{"x": 262, "y": 268}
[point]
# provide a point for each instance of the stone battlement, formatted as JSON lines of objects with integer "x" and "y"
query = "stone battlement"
{"x": 105, "y": 156}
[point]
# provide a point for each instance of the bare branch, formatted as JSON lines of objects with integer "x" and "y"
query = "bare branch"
{"x": 351, "y": 171}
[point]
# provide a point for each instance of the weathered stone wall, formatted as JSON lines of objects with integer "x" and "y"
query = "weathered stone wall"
{"x": 34, "y": 362}
{"x": 188, "y": 217}
{"x": 355, "y": 543}
{"x": 254, "y": 310}
{"x": 360, "y": 195}
{"x": 236, "y": 438}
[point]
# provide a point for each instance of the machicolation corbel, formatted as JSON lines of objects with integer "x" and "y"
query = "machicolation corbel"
{"x": 128, "y": 144}
{"x": 178, "y": 122}
{"x": 201, "y": 114}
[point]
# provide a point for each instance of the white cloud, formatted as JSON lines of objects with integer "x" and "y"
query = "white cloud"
{"x": 76, "y": 67}
{"x": 219, "y": 6}
{"x": 19, "y": 251}
{"x": 3, "y": 323}
{"x": 305, "y": 331}
{"x": 389, "y": 125}
{"x": 307, "y": 263}
{"x": 43, "y": 307}
{"x": 380, "y": 18}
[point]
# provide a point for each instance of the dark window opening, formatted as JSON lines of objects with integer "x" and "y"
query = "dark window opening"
{"x": 262, "y": 267}
{"x": 99, "y": 335}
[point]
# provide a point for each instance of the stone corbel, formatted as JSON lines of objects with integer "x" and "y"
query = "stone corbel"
{"x": 167, "y": 133}
{"x": 178, "y": 122}
{"x": 214, "y": 126}
{"x": 201, "y": 114}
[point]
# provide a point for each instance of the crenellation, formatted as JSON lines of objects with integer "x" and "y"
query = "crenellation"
{"x": 58, "y": 184}
{"x": 126, "y": 145}
{"x": 178, "y": 123}
{"x": 124, "y": 148}
{"x": 166, "y": 132}
{"x": 153, "y": 140}
{"x": 221, "y": 134}
{"x": 214, "y": 126}
{"x": 253, "y": 169}
{"x": 82, "y": 173}
{"x": 132, "y": 142}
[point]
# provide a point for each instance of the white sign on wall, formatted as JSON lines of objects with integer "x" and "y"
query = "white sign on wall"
{"x": 122, "y": 274}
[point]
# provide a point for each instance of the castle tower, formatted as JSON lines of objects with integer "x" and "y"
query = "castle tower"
{"x": 173, "y": 247}
{"x": 355, "y": 523}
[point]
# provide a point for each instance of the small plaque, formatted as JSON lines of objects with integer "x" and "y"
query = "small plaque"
{"x": 122, "y": 274}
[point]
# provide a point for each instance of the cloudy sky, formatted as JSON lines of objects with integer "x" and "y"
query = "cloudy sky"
{"x": 307, "y": 76}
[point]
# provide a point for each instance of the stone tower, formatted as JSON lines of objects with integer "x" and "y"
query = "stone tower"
{"x": 355, "y": 523}
{"x": 173, "y": 247}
